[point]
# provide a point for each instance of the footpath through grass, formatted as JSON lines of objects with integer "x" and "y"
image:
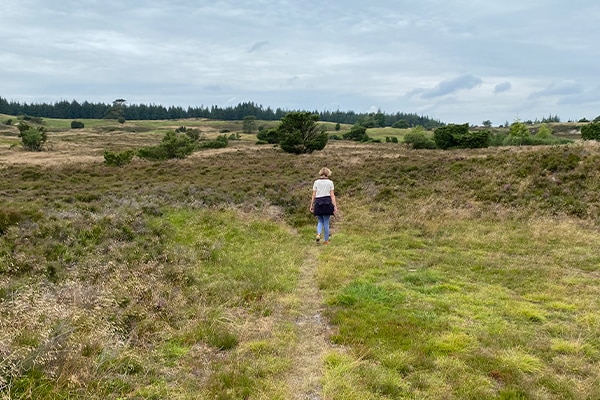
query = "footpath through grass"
{"x": 462, "y": 307}
{"x": 451, "y": 275}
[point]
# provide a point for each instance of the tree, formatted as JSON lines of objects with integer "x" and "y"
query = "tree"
{"x": 32, "y": 139}
{"x": 299, "y": 133}
{"x": 487, "y": 123}
{"x": 591, "y": 131}
{"x": 249, "y": 124}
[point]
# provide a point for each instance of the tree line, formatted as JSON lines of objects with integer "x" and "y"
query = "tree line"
{"x": 119, "y": 109}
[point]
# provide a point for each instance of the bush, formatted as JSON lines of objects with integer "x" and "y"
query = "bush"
{"x": 118, "y": 159}
{"x": 459, "y": 136}
{"x": 444, "y": 136}
{"x": 77, "y": 125}
{"x": 193, "y": 134}
{"x": 220, "y": 142}
{"x": 417, "y": 140}
{"x": 33, "y": 139}
{"x": 173, "y": 145}
{"x": 474, "y": 140}
{"x": 357, "y": 133}
{"x": 268, "y": 135}
{"x": 591, "y": 131}
{"x": 545, "y": 132}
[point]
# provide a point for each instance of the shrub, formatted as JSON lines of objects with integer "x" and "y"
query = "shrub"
{"x": 591, "y": 131}
{"x": 220, "y": 142}
{"x": 268, "y": 135}
{"x": 444, "y": 136}
{"x": 118, "y": 159}
{"x": 357, "y": 133}
{"x": 474, "y": 140}
{"x": 417, "y": 140}
{"x": 33, "y": 139}
{"x": 77, "y": 125}
{"x": 173, "y": 145}
{"x": 459, "y": 136}
{"x": 193, "y": 134}
{"x": 545, "y": 132}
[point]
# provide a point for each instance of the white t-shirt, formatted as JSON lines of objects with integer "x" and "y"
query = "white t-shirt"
{"x": 323, "y": 187}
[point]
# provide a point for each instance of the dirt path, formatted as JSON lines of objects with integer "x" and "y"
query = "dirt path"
{"x": 305, "y": 380}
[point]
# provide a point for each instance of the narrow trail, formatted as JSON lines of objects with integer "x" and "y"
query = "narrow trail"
{"x": 305, "y": 379}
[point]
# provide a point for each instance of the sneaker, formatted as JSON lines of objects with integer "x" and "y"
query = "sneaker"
{"x": 318, "y": 239}
{"x": 326, "y": 242}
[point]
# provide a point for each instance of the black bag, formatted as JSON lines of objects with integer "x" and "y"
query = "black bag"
{"x": 323, "y": 206}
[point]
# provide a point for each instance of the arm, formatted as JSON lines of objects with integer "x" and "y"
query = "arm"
{"x": 333, "y": 200}
{"x": 312, "y": 200}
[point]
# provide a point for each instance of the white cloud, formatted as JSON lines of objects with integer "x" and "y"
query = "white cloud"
{"x": 502, "y": 87}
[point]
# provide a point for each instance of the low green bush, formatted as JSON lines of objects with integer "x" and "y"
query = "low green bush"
{"x": 173, "y": 145}
{"x": 418, "y": 140}
{"x": 118, "y": 159}
{"x": 591, "y": 131}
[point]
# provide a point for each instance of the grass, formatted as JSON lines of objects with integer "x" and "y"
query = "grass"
{"x": 465, "y": 274}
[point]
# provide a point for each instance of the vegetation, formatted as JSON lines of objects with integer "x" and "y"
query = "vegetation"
{"x": 417, "y": 139}
{"x": 32, "y": 138}
{"x": 77, "y": 125}
{"x": 299, "y": 133}
{"x": 591, "y": 131}
{"x": 122, "y": 111}
{"x": 456, "y": 274}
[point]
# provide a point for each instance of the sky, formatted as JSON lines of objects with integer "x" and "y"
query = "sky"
{"x": 457, "y": 61}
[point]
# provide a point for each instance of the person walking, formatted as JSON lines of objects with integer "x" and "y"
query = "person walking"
{"x": 323, "y": 203}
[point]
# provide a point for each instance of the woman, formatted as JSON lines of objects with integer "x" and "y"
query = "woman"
{"x": 322, "y": 203}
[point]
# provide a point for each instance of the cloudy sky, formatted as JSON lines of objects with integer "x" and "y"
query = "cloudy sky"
{"x": 453, "y": 60}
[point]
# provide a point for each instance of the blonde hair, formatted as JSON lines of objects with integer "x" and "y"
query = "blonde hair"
{"x": 325, "y": 172}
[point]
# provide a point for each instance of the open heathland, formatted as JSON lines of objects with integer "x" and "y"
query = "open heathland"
{"x": 458, "y": 274}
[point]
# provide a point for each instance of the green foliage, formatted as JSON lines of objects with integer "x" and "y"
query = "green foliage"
{"x": 338, "y": 127}
{"x": 400, "y": 124}
{"x": 357, "y": 133}
{"x": 445, "y": 136}
{"x": 459, "y": 136}
{"x": 417, "y": 139}
{"x": 475, "y": 139}
{"x": 519, "y": 130}
{"x": 591, "y": 131}
{"x": 220, "y": 142}
{"x": 118, "y": 159}
{"x": 268, "y": 136}
{"x": 194, "y": 134}
{"x": 77, "y": 125}
{"x": 299, "y": 133}
{"x": 544, "y": 132}
{"x": 249, "y": 124}
{"x": 519, "y": 136}
{"x": 173, "y": 145}
{"x": 32, "y": 139}
{"x": 391, "y": 139}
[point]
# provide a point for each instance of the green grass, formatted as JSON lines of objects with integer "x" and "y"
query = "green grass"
{"x": 492, "y": 301}
{"x": 451, "y": 274}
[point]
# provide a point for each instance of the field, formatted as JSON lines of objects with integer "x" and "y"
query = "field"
{"x": 467, "y": 274}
